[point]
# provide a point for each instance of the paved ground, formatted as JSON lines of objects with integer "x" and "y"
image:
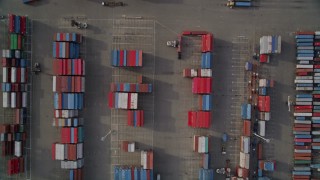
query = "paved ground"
{"x": 171, "y": 137}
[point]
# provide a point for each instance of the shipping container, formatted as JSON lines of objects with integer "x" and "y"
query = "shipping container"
{"x": 202, "y": 85}
{"x": 126, "y": 58}
{"x": 67, "y": 37}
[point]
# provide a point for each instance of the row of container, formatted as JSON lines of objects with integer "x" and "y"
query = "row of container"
{"x": 126, "y": 58}
{"x": 17, "y": 136}
{"x": 66, "y": 113}
{"x": 128, "y": 146}
{"x": 14, "y": 87}
{"x": 15, "y": 99}
{"x": 191, "y": 73}
{"x": 75, "y": 84}
{"x": 12, "y": 62}
{"x": 68, "y": 50}
{"x": 14, "y": 75}
{"x": 70, "y": 152}
{"x": 131, "y": 87}
{"x": 200, "y": 144}
{"x": 147, "y": 159}
{"x": 11, "y": 128}
{"x": 123, "y": 100}
{"x": 135, "y": 118}
{"x": 16, "y": 41}
{"x": 68, "y": 101}
{"x": 205, "y": 102}
{"x": 15, "y": 166}
{"x": 76, "y": 174}
{"x": 72, "y": 164}
{"x": 67, "y": 122}
{"x": 302, "y": 129}
{"x": 202, "y": 85}
{"x": 199, "y": 119}
{"x": 136, "y": 173}
{"x": 72, "y": 135}
{"x": 69, "y": 67}
{"x": 17, "y": 24}
{"x": 11, "y": 53}
{"x": 67, "y": 37}
{"x": 270, "y": 44}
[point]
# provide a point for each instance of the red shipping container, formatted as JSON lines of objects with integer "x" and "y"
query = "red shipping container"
{"x": 23, "y": 25}
{"x": 121, "y": 58}
{"x": 302, "y": 140}
{"x": 11, "y": 22}
{"x": 69, "y": 67}
{"x": 305, "y": 33}
{"x": 246, "y": 128}
{"x": 316, "y": 66}
{"x": 302, "y": 107}
{"x": 316, "y": 125}
{"x": 65, "y": 135}
{"x": 207, "y": 42}
{"x": 111, "y": 100}
{"x": 302, "y": 73}
{"x": 317, "y": 43}
{"x": 316, "y": 114}
{"x": 316, "y": 96}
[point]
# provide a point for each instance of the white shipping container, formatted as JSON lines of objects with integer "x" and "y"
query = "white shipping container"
{"x": 315, "y": 132}
{"x": 13, "y": 74}
{"x": 144, "y": 159}
{"x": 304, "y": 88}
{"x": 122, "y": 100}
{"x": 316, "y": 74}
{"x": 262, "y": 128}
{"x": 194, "y": 73}
{"x": 17, "y": 54}
{"x": 267, "y": 116}
{"x": 134, "y": 101}
{"x": 18, "y": 148}
{"x": 304, "y": 77}
{"x": 303, "y": 103}
{"x": 6, "y": 99}
{"x": 13, "y": 100}
{"x": 316, "y": 81}
{"x": 316, "y": 77}
{"x": 201, "y": 144}
{"x": 315, "y": 118}
{"x": 305, "y": 48}
{"x": 304, "y": 99}
{"x": 262, "y": 82}
{"x": 54, "y": 83}
{"x": 244, "y": 160}
{"x": 245, "y": 144}
{"x": 24, "y": 99}
{"x": 23, "y": 75}
{"x": 206, "y": 73}
{"x": 79, "y": 150}
{"x": 4, "y": 53}
{"x": 83, "y": 83}
{"x": 64, "y": 49}
{"x": 304, "y": 58}
{"x": 131, "y": 147}
{"x": 299, "y": 66}
{"x": 302, "y": 151}
{"x": 302, "y": 114}
{"x": 5, "y": 74}
{"x": 304, "y": 62}
{"x": 302, "y": 122}
{"x": 315, "y": 103}
{"x": 303, "y": 81}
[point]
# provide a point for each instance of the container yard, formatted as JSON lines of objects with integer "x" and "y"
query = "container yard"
{"x": 159, "y": 90}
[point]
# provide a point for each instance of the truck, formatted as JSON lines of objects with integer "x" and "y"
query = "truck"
{"x": 232, "y": 3}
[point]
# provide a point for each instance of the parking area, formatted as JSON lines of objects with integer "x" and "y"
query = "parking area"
{"x": 147, "y": 25}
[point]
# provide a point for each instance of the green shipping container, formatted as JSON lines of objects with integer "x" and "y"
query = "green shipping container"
{"x": 302, "y": 162}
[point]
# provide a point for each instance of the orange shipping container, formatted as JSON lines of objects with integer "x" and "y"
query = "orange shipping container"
{"x": 246, "y": 128}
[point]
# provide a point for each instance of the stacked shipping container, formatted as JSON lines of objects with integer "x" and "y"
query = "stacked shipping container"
{"x": 126, "y": 58}
{"x": 269, "y": 45}
{"x": 200, "y": 144}
{"x": 306, "y": 111}
{"x": 136, "y": 173}
{"x": 68, "y": 87}
{"x": 15, "y": 94}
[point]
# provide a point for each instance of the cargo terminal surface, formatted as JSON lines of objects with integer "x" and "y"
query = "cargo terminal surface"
{"x": 145, "y": 26}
